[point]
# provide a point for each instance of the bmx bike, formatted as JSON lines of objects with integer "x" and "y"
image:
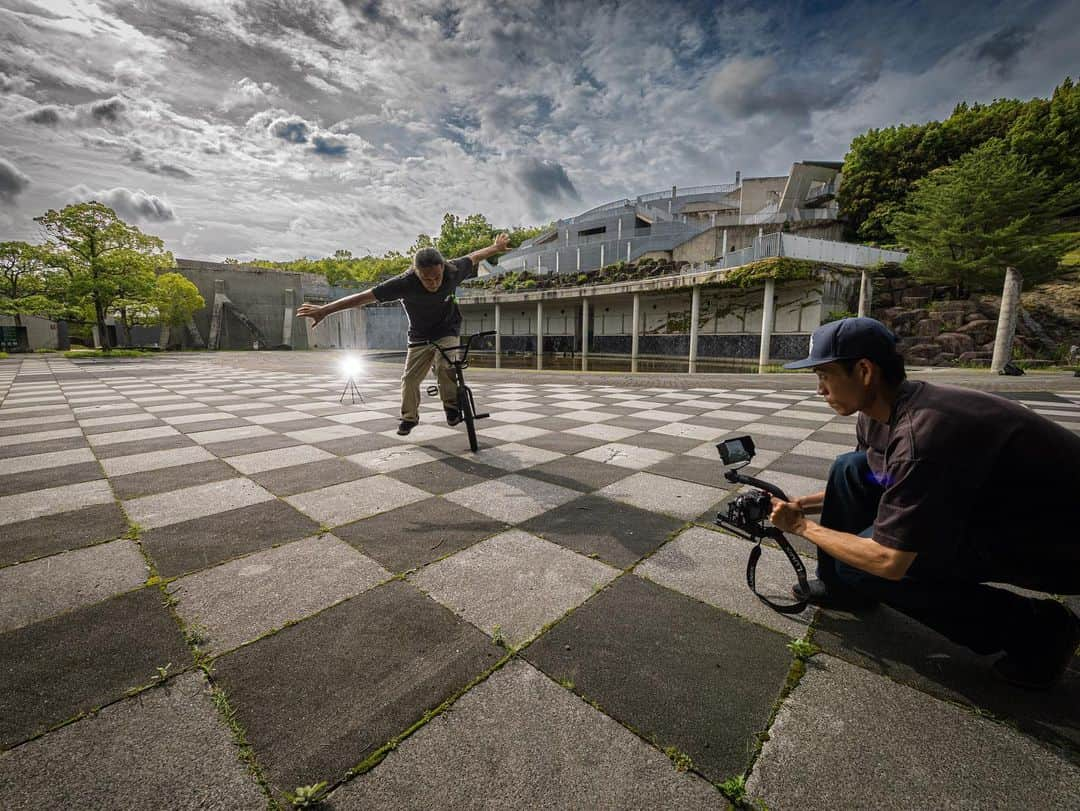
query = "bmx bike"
{"x": 466, "y": 405}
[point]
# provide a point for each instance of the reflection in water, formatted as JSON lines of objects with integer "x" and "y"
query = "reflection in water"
{"x": 605, "y": 363}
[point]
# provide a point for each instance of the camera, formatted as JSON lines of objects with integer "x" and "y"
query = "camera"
{"x": 746, "y": 516}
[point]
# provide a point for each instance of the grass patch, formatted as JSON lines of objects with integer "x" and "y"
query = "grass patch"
{"x": 3, "y": 355}
{"x": 101, "y": 353}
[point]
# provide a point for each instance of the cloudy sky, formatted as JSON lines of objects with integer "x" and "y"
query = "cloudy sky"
{"x": 285, "y": 128}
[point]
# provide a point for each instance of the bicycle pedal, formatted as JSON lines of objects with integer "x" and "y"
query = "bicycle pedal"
{"x": 480, "y": 416}
{"x": 433, "y": 391}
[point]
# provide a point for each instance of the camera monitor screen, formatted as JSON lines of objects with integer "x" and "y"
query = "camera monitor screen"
{"x": 734, "y": 451}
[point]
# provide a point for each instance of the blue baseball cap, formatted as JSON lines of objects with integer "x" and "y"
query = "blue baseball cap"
{"x": 848, "y": 339}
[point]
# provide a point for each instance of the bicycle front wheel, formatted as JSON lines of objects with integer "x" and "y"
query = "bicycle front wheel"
{"x": 465, "y": 406}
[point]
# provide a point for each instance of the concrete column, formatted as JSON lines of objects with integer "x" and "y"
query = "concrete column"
{"x": 539, "y": 335}
{"x": 695, "y": 308}
{"x": 601, "y": 254}
{"x": 620, "y": 229}
{"x": 712, "y": 219}
{"x": 584, "y": 335}
{"x": 628, "y": 251}
{"x": 556, "y": 261}
{"x": 768, "y": 314}
{"x": 723, "y": 246}
{"x": 1006, "y": 325}
{"x": 579, "y": 260}
{"x": 634, "y": 332}
{"x": 864, "y": 295}
{"x": 498, "y": 335}
{"x": 286, "y": 327}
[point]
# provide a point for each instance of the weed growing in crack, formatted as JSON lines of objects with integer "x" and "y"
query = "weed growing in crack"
{"x": 307, "y": 796}
{"x": 679, "y": 759}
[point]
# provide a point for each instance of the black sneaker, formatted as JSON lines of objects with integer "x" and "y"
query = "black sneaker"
{"x": 826, "y": 596}
{"x": 405, "y": 427}
{"x": 1042, "y": 665}
{"x": 453, "y": 416}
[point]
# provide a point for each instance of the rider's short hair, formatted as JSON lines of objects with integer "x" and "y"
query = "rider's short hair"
{"x": 428, "y": 258}
{"x": 892, "y": 368}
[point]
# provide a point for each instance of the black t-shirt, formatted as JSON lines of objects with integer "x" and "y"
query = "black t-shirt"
{"x": 431, "y": 315}
{"x": 970, "y": 476}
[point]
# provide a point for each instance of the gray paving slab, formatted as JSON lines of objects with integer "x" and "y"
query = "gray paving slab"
{"x": 355, "y": 444}
{"x": 32, "y": 538}
{"x": 155, "y": 460}
{"x": 143, "y": 446}
{"x": 514, "y": 582}
{"x": 563, "y": 443}
{"x": 209, "y": 540}
{"x": 385, "y": 657}
{"x": 43, "y": 588}
{"x": 47, "y": 478}
{"x": 706, "y": 471}
{"x": 512, "y": 498}
{"x": 71, "y": 663}
{"x": 47, "y": 446}
{"x": 419, "y": 533}
{"x": 662, "y": 442}
{"x": 350, "y": 501}
{"x": 242, "y": 599}
{"x": 848, "y": 739}
{"x": 811, "y": 467}
{"x": 445, "y": 474}
{"x": 269, "y": 442}
{"x": 711, "y": 566}
{"x": 196, "y": 501}
{"x": 164, "y": 746}
{"x": 167, "y": 479}
{"x": 287, "y": 481}
{"x": 513, "y": 456}
{"x": 577, "y": 473}
{"x": 887, "y": 642}
{"x": 27, "y": 506}
{"x": 661, "y": 494}
{"x": 262, "y": 461}
{"x": 678, "y": 671}
{"x": 615, "y": 533}
{"x": 518, "y": 740}
{"x": 385, "y": 460}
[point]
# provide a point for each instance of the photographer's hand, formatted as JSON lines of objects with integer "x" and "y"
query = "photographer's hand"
{"x": 787, "y": 517}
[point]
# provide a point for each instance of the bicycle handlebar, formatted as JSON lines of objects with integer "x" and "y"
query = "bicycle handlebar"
{"x": 443, "y": 350}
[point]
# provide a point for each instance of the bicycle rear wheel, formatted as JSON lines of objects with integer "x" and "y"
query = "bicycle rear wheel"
{"x": 465, "y": 406}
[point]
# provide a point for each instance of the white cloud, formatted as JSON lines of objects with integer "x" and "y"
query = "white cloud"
{"x": 134, "y": 206}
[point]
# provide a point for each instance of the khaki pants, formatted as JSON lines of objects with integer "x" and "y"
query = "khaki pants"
{"x": 417, "y": 363}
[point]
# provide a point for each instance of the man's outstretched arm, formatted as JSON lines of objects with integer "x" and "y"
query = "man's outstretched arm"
{"x": 317, "y": 312}
{"x": 501, "y": 243}
{"x": 865, "y": 554}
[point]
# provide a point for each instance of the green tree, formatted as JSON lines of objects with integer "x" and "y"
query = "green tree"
{"x": 101, "y": 255}
{"x": 25, "y": 284}
{"x": 965, "y": 223}
{"x": 175, "y": 300}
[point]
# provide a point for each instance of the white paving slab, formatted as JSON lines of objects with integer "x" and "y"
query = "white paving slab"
{"x": 195, "y": 502}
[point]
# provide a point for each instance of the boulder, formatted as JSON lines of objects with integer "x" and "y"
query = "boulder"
{"x": 903, "y": 321}
{"x": 914, "y": 302}
{"x": 955, "y": 343}
{"x": 979, "y": 331}
{"x": 928, "y": 327}
{"x": 975, "y": 358}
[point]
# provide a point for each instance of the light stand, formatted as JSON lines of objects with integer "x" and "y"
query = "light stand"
{"x": 352, "y": 390}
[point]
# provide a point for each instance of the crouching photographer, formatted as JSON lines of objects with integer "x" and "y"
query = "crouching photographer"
{"x": 949, "y": 490}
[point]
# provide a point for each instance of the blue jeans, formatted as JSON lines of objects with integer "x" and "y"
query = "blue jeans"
{"x": 953, "y": 601}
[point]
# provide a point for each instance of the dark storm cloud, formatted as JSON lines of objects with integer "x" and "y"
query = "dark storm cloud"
{"x": 48, "y": 116}
{"x": 746, "y": 87}
{"x": 108, "y": 111}
{"x": 128, "y": 204}
{"x": 328, "y": 147}
{"x": 546, "y": 179}
{"x": 12, "y": 182}
{"x": 293, "y": 130}
{"x": 1002, "y": 50}
{"x": 158, "y": 167}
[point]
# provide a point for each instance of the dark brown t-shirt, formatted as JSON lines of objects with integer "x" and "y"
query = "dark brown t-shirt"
{"x": 431, "y": 315}
{"x": 972, "y": 474}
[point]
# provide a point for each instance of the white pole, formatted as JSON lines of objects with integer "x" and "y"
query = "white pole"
{"x": 634, "y": 333}
{"x": 767, "y": 315}
{"x": 628, "y": 251}
{"x": 539, "y": 335}
{"x": 556, "y": 261}
{"x": 584, "y": 335}
{"x": 601, "y": 254}
{"x": 864, "y": 294}
{"x": 498, "y": 335}
{"x": 695, "y": 308}
{"x": 579, "y": 260}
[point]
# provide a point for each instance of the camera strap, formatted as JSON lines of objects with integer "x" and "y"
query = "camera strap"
{"x": 796, "y": 564}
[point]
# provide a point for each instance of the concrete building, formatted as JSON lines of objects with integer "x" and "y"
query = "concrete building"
{"x": 697, "y": 224}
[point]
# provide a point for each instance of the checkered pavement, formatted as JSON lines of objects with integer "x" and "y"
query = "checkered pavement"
{"x": 347, "y": 579}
